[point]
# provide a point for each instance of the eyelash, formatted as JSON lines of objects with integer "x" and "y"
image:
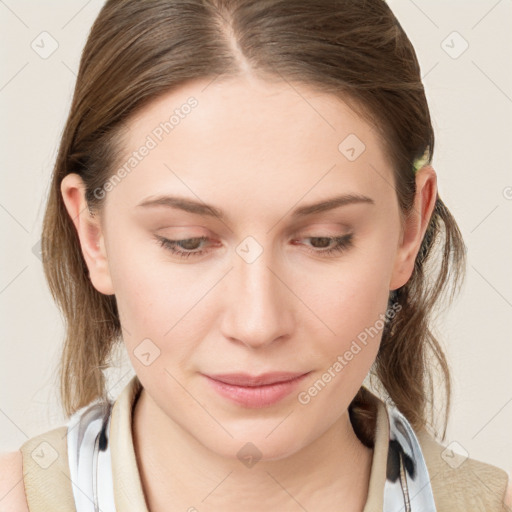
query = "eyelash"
{"x": 342, "y": 243}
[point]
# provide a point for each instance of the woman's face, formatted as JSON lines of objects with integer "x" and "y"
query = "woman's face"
{"x": 252, "y": 290}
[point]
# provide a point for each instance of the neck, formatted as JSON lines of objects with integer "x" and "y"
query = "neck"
{"x": 178, "y": 471}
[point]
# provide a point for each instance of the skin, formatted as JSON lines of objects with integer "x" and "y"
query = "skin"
{"x": 256, "y": 150}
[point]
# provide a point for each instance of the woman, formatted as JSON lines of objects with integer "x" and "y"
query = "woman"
{"x": 243, "y": 198}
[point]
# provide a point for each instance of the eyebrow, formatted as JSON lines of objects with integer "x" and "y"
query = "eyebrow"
{"x": 199, "y": 208}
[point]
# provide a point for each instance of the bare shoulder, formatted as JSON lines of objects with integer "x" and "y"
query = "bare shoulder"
{"x": 12, "y": 488}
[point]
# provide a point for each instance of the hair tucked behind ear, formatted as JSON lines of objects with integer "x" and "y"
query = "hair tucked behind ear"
{"x": 140, "y": 49}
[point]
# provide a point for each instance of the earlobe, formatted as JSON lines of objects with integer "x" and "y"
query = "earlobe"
{"x": 415, "y": 226}
{"x": 90, "y": 232}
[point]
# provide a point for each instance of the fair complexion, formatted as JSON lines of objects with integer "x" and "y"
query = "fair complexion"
{"x": 257, "y": 151}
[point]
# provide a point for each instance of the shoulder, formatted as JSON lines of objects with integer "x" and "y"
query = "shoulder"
{"x": 12, "y": 488}
{"x": 462, "y": 483}
{"x": 46, "y": 471}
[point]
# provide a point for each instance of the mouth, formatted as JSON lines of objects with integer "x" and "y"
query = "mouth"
{"x": 255, "y": 391}
{"x": 247, "y": 380}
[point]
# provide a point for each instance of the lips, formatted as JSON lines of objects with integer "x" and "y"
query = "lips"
{"x": 244, "y": 379}
{"x": 255, "y": 391}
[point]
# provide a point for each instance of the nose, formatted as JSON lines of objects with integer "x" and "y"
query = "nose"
{"x": 257, "y": 305}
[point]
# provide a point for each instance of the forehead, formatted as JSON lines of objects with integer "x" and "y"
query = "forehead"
{"x": 249, "y": 141}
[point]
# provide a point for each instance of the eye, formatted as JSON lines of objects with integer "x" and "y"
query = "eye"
{"x": 331, "y": 245}
{"x": 190, "y": 246}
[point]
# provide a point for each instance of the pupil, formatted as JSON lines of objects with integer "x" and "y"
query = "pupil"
{"x": 323, "y": 239}
{"x": 186, "y": 244}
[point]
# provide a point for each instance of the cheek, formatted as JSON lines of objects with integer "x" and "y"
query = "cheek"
{"x": 353, "y": 315}
{"x": 358, "y": 288}
{"x": 149, "y": 303}
{"x": 157, "y": 321}
{"x": 166, "y": 303}
{"x": 354, "y": 299}
{"x": 154, "y": 305}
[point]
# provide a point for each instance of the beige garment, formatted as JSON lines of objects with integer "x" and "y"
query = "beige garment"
{"x": 461, "y": 486}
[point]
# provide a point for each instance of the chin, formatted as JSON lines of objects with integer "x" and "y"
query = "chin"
{"x": 255, "y": 447}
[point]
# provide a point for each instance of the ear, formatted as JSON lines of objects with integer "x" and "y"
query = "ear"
{"x": 90, "y": 232}
{"x": 415, "y": 226}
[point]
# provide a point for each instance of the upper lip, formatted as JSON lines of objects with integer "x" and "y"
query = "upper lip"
{"x": 244, "y": 379}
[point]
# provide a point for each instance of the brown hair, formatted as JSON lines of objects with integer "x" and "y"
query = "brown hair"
{"x": 357, "y": 50}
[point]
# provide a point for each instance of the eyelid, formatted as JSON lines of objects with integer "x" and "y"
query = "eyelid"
{"x": 316, "y": 230}
{"x": 328, "y": 224}
{"x": 341, "y": 244}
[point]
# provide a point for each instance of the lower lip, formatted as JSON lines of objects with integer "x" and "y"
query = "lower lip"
{"x": 256, "y": 396}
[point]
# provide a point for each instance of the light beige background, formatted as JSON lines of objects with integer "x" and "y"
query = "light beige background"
{"x": 471, "y": 104}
